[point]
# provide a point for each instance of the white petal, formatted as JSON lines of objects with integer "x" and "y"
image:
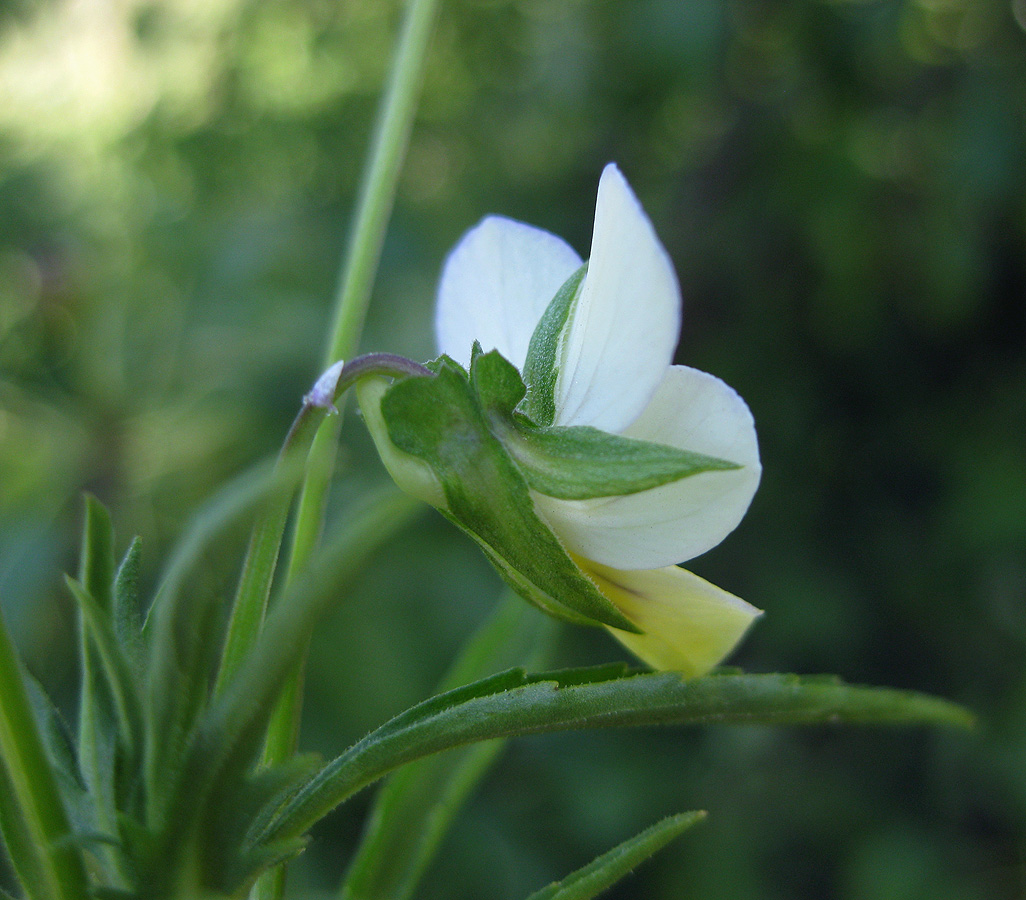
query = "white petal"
{"x": 625, "y": 325}
{"x": 689, "y": 624}
{"x": 495, "y": 285}
{"x": 694, "y": 411}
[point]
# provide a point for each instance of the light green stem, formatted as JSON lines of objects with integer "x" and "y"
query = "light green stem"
{"x": 35, "y": 822}
{"x": 363, "y": 252}
{"x": 388, "y": 150}
{"x": 377, "y": 194}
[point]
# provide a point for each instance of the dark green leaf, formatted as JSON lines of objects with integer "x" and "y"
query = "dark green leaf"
{"x": 116, "y": 666}
{"x": 96, "y": 719}
{"x": 182, "y": 630}
{"x": 128, "y": 611}
{"x": 97, "y": 565}
{"x": 217, "y": 756}
{"x": 59, "y": 746}
{"x": 608, "y": 869}
{"x": 545, "y": 703}
{"x": 32, "y": 813}
{"x": 414, "y": 810}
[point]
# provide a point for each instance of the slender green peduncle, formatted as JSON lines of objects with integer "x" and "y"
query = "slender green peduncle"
{"x": 377, "y": 193}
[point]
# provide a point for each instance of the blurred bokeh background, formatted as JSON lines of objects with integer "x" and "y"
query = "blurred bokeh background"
{"x": 842, "y": 186}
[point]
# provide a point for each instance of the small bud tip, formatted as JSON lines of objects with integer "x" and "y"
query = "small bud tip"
{"x": 322, "y": 394}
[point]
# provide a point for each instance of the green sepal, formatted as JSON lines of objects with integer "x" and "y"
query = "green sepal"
{"x": 576, "y": 462}
{"x": 442, "y": 421}
{"x": 610, "y": 867}
{"x": 542, "y": 366}
{"x": 580, "y": 462}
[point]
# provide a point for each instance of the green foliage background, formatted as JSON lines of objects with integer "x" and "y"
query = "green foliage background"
{"x": 842, "y": 186}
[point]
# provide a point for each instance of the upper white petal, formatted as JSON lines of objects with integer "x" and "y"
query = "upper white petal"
{"x": 675, "y": 522}
{"x": 625, "y": 325}
{"x": 495, "y": 285}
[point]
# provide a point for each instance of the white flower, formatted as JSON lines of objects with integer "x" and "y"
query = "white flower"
{"x": 615, "y": 373}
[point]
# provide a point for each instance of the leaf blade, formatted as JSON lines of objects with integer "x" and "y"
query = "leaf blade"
{"x": 542, "y": 704}
{"x": 608, "y": 869}
{"x": 414, "y": 809}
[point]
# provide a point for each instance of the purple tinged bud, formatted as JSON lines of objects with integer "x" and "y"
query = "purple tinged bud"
{"x": 322, "y": 394}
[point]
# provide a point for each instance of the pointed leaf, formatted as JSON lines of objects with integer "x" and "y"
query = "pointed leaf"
{"x": 32, "y": 813}
{"x": 128, "y": 612}
{"x": 97, "y": 565}
{"x": 95, "y": 743}
{"x": 60, "y": 749}
{"x": 608, "y": 869}
{"x": 182, "y": 630}
{"x": 543, "y": 703}
{"x": 116, "y": 667}
{"x": 415, "y": 808}
{"x": 226, "y": 740}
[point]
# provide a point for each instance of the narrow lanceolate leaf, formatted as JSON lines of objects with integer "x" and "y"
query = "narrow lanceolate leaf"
{"x": 32, "y": 814}
{"x": 604, "y": 872}
{"x": 128, "y": 611}
{"x": 442, "y": 421}
{"x": 414, "y": 809}
{"x": 116, "y": 666}
{"x": 515, "y": 703}
{"x": 542, "y": 366}
{"x": 97, "y": 566}
{"x": 182, "y": 626}
{"x": 227, "y": 737}
{"x": 95, "y": 741}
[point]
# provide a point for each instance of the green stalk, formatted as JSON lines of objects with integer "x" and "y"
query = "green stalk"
{"x": 35, "y": 822}
{"x": 377, "y": 195}
{"x": 388, "y": 150}
{"x": 363, "y": 252}
{"x": 250, "y": 605}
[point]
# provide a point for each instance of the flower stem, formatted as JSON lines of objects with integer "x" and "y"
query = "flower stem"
{"x": 388, "y": 150}
{"x": 377, "y": 194}
{"x": 250, "y": 605}
{"x": 34, "y": 821}
{"x": 363, "y": 252}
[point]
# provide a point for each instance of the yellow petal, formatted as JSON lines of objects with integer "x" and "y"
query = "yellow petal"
{"x": 689, "y": 624}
